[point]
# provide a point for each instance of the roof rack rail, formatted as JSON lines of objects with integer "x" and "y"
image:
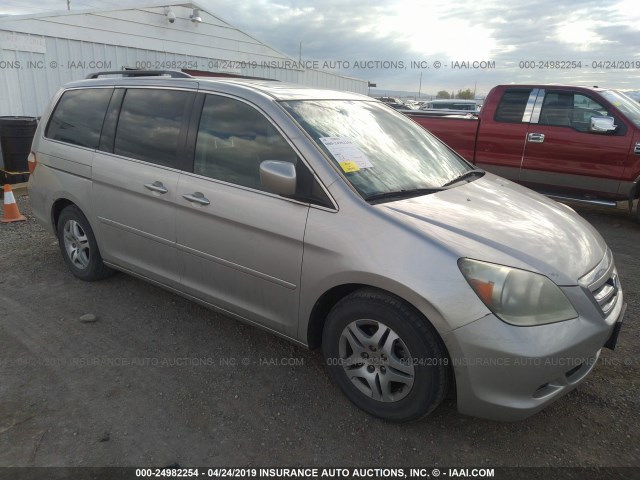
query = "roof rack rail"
{"x": 143, "y": 73}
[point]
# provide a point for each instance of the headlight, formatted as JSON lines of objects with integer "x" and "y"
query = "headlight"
{"x": 516, "y": 296}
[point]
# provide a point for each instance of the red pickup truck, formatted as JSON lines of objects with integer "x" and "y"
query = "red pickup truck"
{"x": 575, "y": 143}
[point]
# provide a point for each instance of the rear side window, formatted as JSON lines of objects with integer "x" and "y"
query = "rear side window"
{"x": 512, "y": 106}
{"x": 78, "y": 117}
{"x": 152, "y": 125}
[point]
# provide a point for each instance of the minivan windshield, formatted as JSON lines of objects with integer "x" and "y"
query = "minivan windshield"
{"x": 379, "y": 151}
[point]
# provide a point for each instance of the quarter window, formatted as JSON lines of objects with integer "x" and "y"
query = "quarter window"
{"x": 152, "y": 125}
{"x": 78, "y": 117}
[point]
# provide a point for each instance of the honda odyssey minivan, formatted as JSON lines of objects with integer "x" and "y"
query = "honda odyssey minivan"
{"x": 331, "y": 220}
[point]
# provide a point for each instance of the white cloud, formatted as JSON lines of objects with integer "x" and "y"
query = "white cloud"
{"x": 581, "y": 35}
{"x": 426, "y": 30}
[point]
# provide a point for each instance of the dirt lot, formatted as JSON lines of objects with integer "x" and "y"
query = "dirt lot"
{"x": 158, "y": 380}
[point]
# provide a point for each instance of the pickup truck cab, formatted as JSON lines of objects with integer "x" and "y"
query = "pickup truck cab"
{"x": 572, "y": 143}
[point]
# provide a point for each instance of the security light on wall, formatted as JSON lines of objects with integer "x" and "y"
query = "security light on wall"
{"x": 195, "y": 16}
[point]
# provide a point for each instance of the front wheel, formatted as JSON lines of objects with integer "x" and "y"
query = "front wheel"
{"x": 387, "y": 359}
{"x": 78, "y": 246}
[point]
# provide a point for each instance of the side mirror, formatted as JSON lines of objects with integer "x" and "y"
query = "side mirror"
{"x": 602, "y": 124}
{"x": 278, "y": 177}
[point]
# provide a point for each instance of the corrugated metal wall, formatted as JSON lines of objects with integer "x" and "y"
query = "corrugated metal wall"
{"x": 38, "y": 54}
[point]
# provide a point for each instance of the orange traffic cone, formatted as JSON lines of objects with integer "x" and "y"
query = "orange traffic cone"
{"x": 11, "y": 212}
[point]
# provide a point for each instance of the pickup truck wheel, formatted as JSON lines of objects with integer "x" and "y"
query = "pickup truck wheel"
{"x": 79, "y": 247}
{"x": 387, "y": 359}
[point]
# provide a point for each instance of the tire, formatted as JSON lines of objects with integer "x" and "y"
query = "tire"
{"x": 78, "y": 246}
{"x": 387, "y": 359}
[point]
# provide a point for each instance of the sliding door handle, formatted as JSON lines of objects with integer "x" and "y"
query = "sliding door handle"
{"x": 156, "y": 187}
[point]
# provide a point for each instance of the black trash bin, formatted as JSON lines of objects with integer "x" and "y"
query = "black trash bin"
{"x": 16, "y": 135}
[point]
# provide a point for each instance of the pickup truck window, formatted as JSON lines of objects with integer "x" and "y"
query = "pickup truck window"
{"x": 569, "y": 109}
{"x": 378, "y": 150}
{"x": 512, "y": 106}
{"x": 627, "y": 105}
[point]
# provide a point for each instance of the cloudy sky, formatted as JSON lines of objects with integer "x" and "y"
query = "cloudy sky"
{"x": 517, "y": 41}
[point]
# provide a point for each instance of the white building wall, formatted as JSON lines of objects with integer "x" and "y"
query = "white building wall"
{"x": 38, "y": 54}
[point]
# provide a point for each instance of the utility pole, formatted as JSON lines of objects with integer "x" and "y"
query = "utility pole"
{"x": 300, "y": 53}
{"x": 420, "y": 87}
{"x": 69, "y": 5}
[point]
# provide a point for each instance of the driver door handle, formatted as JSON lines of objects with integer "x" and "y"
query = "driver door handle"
{"x": 197, "y": 197}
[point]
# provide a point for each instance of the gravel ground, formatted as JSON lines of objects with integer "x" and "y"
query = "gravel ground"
{"x": 119, "y": 390}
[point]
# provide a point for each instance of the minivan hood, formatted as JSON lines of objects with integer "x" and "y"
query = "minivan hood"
{"x": 495, "y": 220}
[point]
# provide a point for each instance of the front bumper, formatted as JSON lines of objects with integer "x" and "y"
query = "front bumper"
{"x": 504, "y": 372}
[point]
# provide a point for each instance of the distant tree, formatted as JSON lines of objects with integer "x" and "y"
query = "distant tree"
{"x": 465, "y": 94}
{"x": 443, "y": 94}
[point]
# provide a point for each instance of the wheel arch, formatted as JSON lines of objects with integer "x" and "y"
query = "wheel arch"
{"x": 56, "y": 209}
{"x": 322, "y": 307}
{"x": 331, "y": 297}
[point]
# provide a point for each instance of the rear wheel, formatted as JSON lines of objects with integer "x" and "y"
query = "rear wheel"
{"x": 79, "y": 247}
{"x": 386, "y": 358}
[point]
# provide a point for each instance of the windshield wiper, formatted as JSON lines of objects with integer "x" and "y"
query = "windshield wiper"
{"x": 405, "y": 193}
{"x": 465, "y": 176}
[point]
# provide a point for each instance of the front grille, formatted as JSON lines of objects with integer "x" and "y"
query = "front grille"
{"x": 603, "y": 283}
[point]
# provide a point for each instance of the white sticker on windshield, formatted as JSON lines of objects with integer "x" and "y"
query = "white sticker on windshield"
{"x": 349, "y": 156}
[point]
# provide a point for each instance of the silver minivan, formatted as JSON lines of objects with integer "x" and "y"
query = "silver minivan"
{"x": 331, "y": 220}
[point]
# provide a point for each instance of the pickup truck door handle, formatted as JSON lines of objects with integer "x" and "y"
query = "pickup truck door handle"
{"x": 197, "y": 197}
{"x": 535, "y": 137}
{"x": 156, "y": 187}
